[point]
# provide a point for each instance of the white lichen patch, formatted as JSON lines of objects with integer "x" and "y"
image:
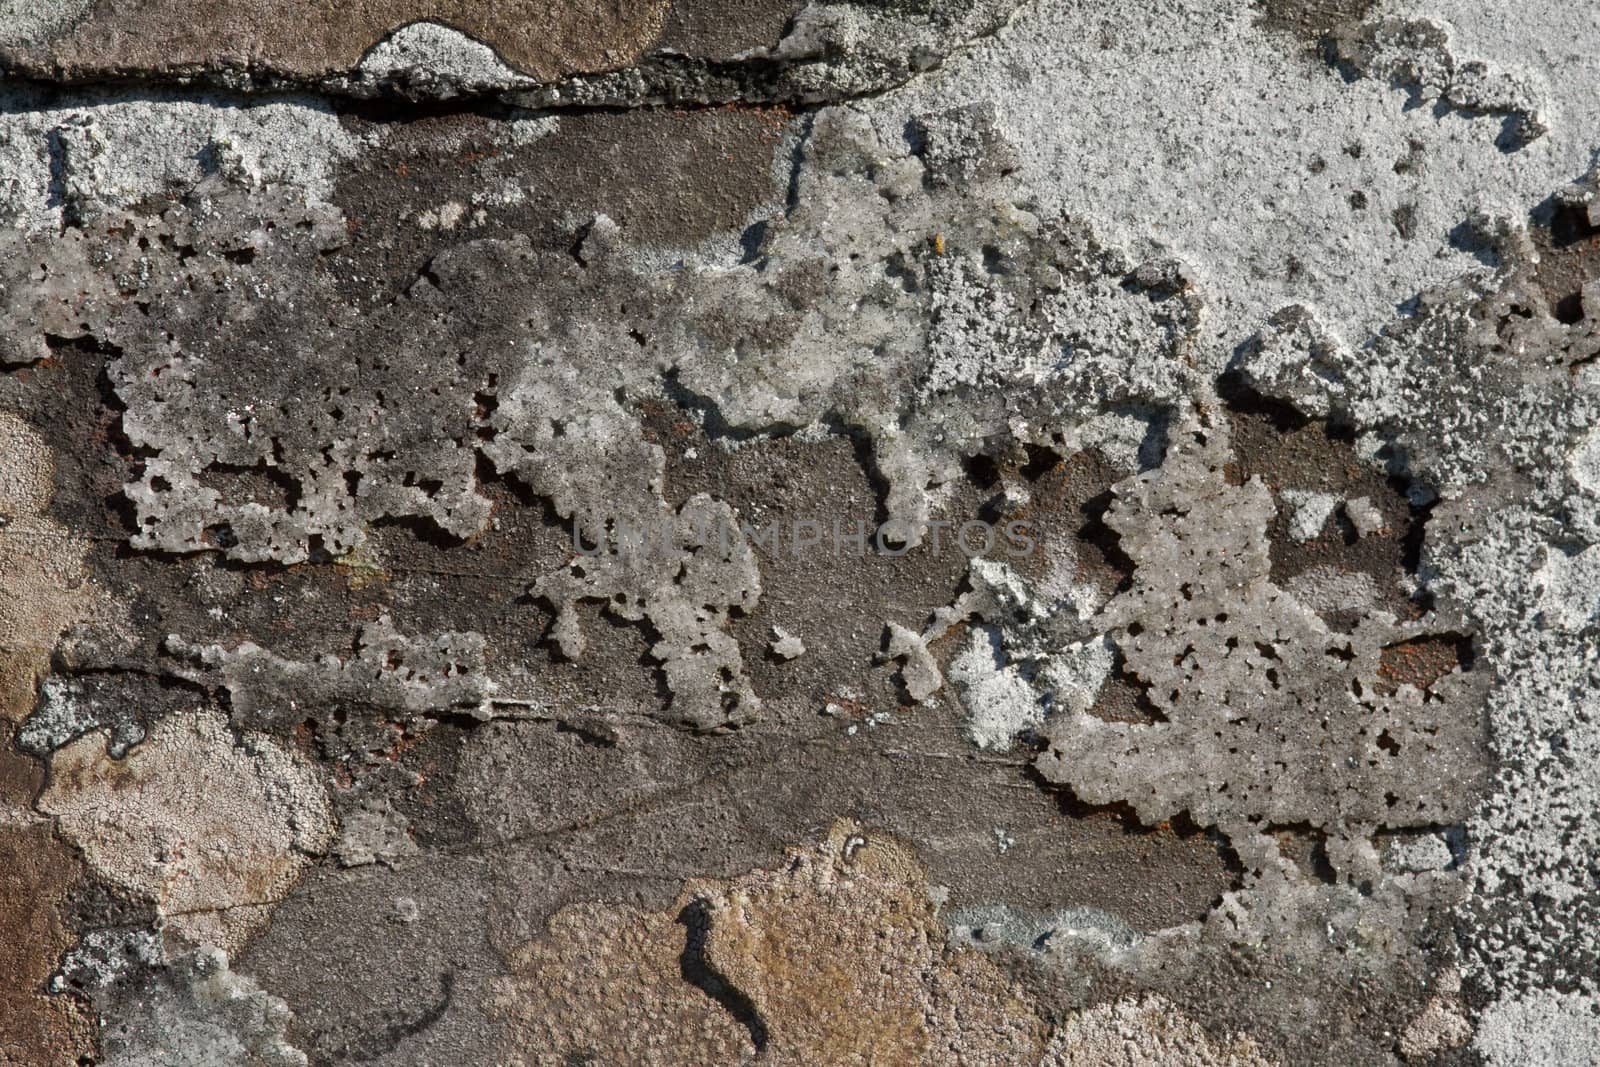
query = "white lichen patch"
{"x": 1572, "y": 588}
{"x": 399, "y": 673}
{"x": 437, "y": 61}
{"x": 1032, "y": 653}
{"x": 1545, "y": 1028}
{"x": 1364, "y": 516}
{"x": 1261, "y": 711}
{"x": 446, "y": 216}
{"x": 786, "y": 645}
{"x": 1178, "y": 87}
{"x": 1075, "y": 675}
{"x": 954, "y": 318}
{"x": 201, "y": 1015}
{"x": 1584, "y": 463}
{"x": 28, "y": 21}
{"x": 1000, "y": 703}
{"x": 1051, "y": 239}
{"x": 88, "y": 154}
{"x": 1328, "y": 589}
{"x": 1310, "y": 512}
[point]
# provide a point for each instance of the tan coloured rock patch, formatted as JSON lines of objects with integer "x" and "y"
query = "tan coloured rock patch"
{"x": 837, "y": 958}
{"x": 41, "y": 562}
{"x": 213, "y": 827}
{"x": 1145, "y": 1032}
{"x": 45, "y": 590}
{"x": 843, "y": 955}
{"x": 1442, "y": 1024}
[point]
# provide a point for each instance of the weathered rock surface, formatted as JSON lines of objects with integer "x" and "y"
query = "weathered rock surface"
{"x": 895, "y": 532}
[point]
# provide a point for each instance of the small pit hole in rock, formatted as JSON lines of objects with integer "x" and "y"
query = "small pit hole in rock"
{"x": 1569, "y": 309}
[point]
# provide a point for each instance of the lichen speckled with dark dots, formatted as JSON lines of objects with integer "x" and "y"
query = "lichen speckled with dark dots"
{"x": 896, "y": 532}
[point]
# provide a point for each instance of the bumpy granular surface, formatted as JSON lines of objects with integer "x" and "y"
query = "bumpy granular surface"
{"x": 884, "y": 532}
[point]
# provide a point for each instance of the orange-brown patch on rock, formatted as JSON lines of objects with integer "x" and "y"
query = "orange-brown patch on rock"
{"x": 20, "y": 777}
{"x": 837, "y": 958}
{"x": 1422, "y": 661}
{"x": 842, "y": 956}
{"x": 607, "y": 985}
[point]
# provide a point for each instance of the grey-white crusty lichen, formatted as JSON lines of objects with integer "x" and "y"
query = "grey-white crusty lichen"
{"x": 1502, "y": 440}
{"x": 80, "y": 155}
{"x": 397, "y": 535}
{"x": 436, "y": 61}
{"x": 27, "y": 20}
{"x": 384, "y": 671}
{"x": 196, "y": 1012}
{"x": 942, "y": 321}
{"x": 1034, "y": 653}
{"x": 68, "y": 709}
{"x": 1263, "y": 713}
{"x": 1416, "y": 54}
{"x": 956, "y": 318}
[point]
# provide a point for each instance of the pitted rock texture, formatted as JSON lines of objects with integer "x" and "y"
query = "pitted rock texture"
{"x": 1250, "y": 690}
{"x": 877, "y": 532}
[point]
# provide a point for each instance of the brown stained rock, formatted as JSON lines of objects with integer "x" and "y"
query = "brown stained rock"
{"x": 317, "y": 38}
{"x": 721, "y": 29}
{"x": 20, "y": 777}
{"x": 1568, "y": 261}
{"x": 670, "y": 179}
{"x": 837, "y": 958}
{"x": 1065, "y": 516}
{"x": 1311, "y": 20}
{"x": 36, "y": 872}
{"x": 1290, "y": 453}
